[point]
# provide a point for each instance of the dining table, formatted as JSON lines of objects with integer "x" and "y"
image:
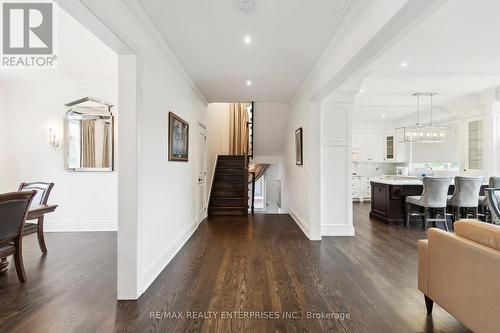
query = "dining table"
{"x": 34, "y": 213}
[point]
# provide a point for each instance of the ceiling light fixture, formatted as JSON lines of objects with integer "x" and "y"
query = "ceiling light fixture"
{"x": 248, "y": 83}
{"x": 421, "y": 133}
{"x": 245, "y": 5}
{"x": 361, "y": 91}
{"x": 404, "y": 64}
{"x": 247, "y": 40}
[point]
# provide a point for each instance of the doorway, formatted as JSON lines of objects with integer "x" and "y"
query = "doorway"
{"x": 202, "y": 172}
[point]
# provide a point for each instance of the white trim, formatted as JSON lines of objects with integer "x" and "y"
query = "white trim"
{"x": 337, "y": 230}
{"x": 300, "y": 221}
{"x": 150, "y": 21}
{"x": 80, "y": 226}
{"x": 211, "y": 181}
{"x": 157, "y": 266}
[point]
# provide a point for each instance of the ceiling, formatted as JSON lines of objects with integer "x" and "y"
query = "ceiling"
{"x": 454, "y": 52}
{"x": 208, "y": 37}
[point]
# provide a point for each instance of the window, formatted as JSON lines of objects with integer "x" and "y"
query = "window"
{"x": 437, "y": 166}
{"x": 475, "y": 145}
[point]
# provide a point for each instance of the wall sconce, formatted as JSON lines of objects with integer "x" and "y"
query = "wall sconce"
{"x": 54, "y": 143}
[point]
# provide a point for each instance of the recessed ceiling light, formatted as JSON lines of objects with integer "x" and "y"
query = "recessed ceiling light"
{"x": 404, "y": 64}
{"x": 384, "y": 115}
{"x": 247, "y": 40}
{"x": 361, "y": 91}
{"x": 248, "y": 83}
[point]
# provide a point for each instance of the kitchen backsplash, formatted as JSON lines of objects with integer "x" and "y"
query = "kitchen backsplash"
{"x": 374, "y": 169}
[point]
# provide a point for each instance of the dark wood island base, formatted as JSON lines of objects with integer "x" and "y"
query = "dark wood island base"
{"x": 388, "y": 200}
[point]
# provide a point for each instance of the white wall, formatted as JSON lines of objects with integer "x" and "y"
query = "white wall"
{"x": 4, "y": 136}
{"x": 271, "y": 121}
{"x": 32, "y": 102}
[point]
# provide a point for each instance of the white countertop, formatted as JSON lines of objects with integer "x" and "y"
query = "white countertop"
{"x": 397, "y": 180}
{"x": 404, "y": 180}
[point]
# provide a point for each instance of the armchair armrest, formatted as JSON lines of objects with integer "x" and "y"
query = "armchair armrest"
{"x": 423, "y": 252}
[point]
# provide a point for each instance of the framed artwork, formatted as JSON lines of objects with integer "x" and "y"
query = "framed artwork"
{"x": 298, "y": 147}
{"x": 178, "y": 138}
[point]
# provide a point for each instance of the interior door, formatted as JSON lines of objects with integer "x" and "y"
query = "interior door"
{"x": 202, "y": 172}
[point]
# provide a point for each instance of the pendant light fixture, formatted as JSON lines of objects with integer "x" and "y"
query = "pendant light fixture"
{"x": 424, "y": 133}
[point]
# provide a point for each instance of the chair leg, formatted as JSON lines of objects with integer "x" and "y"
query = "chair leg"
{"x": 426, "y": 213}
{"x": 18, "y": 260}
{"x": 41, "y": 238}
{"x": 408, "y": 212}
{"x": 456, "y": 211}
{"x": 445, "y": 220}
{"x": 429, "y": 303}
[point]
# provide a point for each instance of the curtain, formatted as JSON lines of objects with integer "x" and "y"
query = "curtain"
{"x": 238, "y": 130}
{"x": 105, "y": 147}
{"x": 88, "y": 144}
{"x": 259, "y": 170}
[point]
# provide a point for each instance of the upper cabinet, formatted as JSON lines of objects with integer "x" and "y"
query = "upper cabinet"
{"x": 389, "y": 148}
{"x": 368, "y": 147}
{"x": 377, "y": 148}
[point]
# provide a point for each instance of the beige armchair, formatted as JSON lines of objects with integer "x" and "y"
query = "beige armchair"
{"x": 461, "y": 273}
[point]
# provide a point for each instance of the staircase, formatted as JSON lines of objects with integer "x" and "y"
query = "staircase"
{"x": 229, "y": 195}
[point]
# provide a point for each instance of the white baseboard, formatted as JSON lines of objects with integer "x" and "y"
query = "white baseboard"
{"x": 158, "y": 265}
{"x": 78, "y": 226}
{"x": 300, "y": 221}
{"x": 337, "y": 230}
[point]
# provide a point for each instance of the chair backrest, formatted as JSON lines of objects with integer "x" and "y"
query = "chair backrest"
{"x": 494, "y": 182}
{"x": 493, "y": 204}
{"x": 435, "y": 191}
{"x": 13, "y": 210}
{"x": 466, "y": 192}
{"x": 42, "y": 191}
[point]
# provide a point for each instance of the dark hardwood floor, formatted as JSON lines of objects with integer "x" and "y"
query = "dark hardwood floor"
{"x": 256, "y": 263}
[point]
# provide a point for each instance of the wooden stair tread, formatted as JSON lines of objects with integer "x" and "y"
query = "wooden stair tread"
{"x": 230, "y": 186}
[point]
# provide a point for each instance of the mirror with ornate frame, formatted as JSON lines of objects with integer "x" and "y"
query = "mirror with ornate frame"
{"x": 88, "y": 135}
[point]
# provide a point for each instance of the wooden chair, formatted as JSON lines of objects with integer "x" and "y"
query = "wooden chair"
{"x": 41, "y": 198}
{"x": 13, "y": 211}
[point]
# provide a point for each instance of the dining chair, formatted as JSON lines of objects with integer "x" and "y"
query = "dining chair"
{"x": 492, "y": 200}
{"x": 14, "y": 208}
{"x": 494, "y": 183}
{"x": 41, "y": 198}
{"x": 466, "y": 195}
{"x": 433, "y": 199}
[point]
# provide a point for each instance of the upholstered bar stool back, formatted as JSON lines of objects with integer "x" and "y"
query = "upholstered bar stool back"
{"x": 466, "y": 192}
{"x": 494, "y": 182}
{"x": 435, "y": 192}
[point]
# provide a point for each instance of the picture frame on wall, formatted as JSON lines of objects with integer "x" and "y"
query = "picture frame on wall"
{"x": 178, "y": 138}
{"x": 299, "y": 160}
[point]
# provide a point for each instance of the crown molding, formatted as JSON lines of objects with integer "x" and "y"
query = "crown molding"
{"x": 150, "y": 21}
{"x": 350, "y": 15}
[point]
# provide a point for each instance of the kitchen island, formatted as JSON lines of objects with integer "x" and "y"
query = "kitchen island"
{"x": 389, "y": 196}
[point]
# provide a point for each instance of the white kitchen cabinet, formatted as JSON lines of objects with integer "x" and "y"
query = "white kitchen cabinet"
{"x": 361, "y": 188}
{"x": 389, "y": 147}
{"x": 368, "y": 147}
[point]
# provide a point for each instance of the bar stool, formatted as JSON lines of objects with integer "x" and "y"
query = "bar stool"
{"x": 433, "y": 197}
{"x": 494, "y": 182}
{"x": 466, "y": 195}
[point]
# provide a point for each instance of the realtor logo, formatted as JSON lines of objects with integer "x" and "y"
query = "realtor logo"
{"x": 28, "y": 29}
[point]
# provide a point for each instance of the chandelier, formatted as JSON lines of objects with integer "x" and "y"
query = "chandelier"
{"x": 424, "y": 133}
